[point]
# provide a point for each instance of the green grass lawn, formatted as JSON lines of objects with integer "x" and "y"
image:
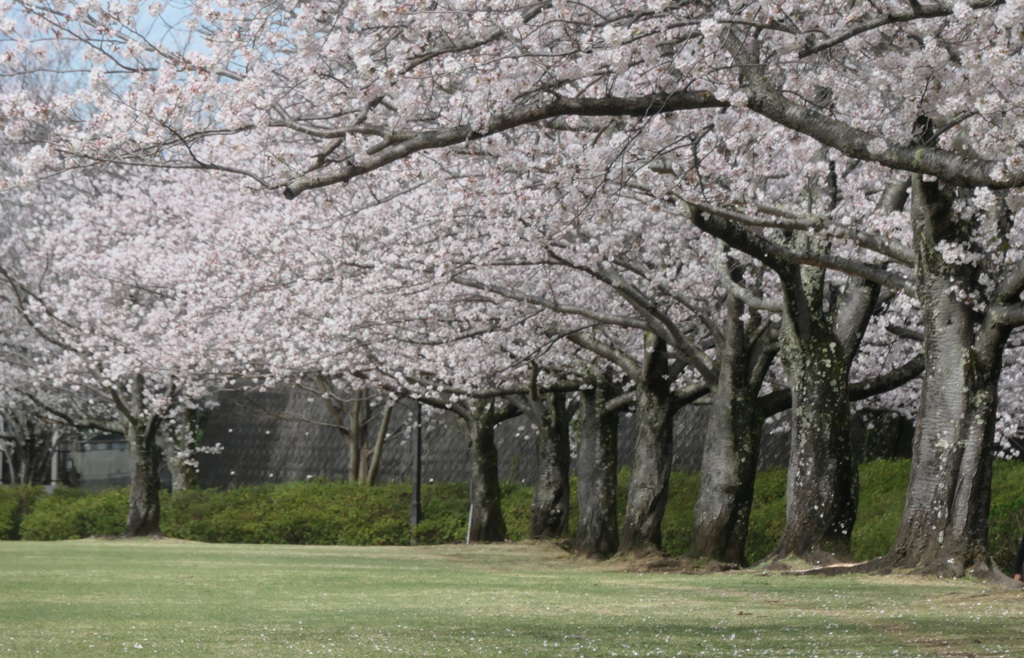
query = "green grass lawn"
{"x": 170, "y": 597}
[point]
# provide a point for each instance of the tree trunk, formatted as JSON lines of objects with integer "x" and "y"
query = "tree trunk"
{"x": 821, "y": 465}
{"x": 347, "y": 416}
{"x": 821, "y": 484}
{"x": 652, "y": 462}
{"x": 550, "y": 507}
{"x": 731, "y": 443}
{"x": 597, "y": 535}
{"x": 144, "y": 488}
{"x": 178, "y": 448}
{"x": 354, "y": 438}
{"x": 487, "y": 522}
{"x": 24, "y": 470}
{"x": 10, "y": 467}
{"x": 819, "y": 343}
{"x": 378, "y": 446}
{"x": 183, "y": 474}
{"x": 944, "y": 528}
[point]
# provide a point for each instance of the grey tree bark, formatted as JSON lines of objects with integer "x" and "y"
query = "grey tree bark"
{"x": 652, "y": 462}
{"x": 176, "y": 441}
{"x": 144, "y": 470}
{"x": 140, "y": 431}
{"x": 549, "y": 511}
{"x": 944, "y": 525}
{"x": 487, "y": 523}
{"x": 378, "y": 445}
{"x": 821, "y": 482}
{"x": 732, "y": 439}
{"x": 819, "y": 345}
{"x": 944, "y": 528}
{"x": 183, "y": 475}
{"x": 822, "y": 333}
{"x": 29, "y": 453}
{"x": 597, "y": 534}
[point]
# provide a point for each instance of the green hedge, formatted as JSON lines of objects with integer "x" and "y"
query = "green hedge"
{"x": 767, "y": 514}
{"x": 319, "y": 512}
{"x": 883, "y": 486}
{"x": 1006, "y": 517}
{"x": 315, "y": 512}
{"x": 15, "y": 503}
{"x": 73, "y": 514}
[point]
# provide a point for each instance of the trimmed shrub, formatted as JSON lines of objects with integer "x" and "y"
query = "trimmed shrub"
{"x": 445, "y": 507}
{"x": 767, "y": 514}
{"x": 73, "y": 514}
{"x": 211, "y": 515}
{"x": 677, "y": 526}
{"x": 1006, "y": 516}
{"x": 516, "y": 501}
{"x": 319, "y": 512}
{"x": 51, "y": 518}
{"x": 15, "y": 503}
{"x": 883, "y": 490}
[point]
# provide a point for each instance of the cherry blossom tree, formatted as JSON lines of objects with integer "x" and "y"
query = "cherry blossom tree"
{"x": 531, "y": 255}
{"x": 740, "y": 346}
{"x": 29, "y": 437}
{"x": 314, "y": 95}
{"x": 66, "y": 361}
{"x": 105, "y": 275}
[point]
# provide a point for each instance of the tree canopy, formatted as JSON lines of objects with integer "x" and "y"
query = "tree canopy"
{"x": 460, "y": 201}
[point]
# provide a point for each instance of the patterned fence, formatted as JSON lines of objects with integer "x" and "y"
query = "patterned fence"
{"x": 287, "y": 435}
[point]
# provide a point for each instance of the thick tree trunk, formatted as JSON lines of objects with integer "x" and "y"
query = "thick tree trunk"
{"x": 652, "y": 461}
{"x": 728, "y": 469}
{"x": 144, "y": 487}
{"x": 597, "y": 534}
{"x": 487, "y": 522}
{"x": 944, "y": 528}
{"x": 821, "y": 484}
{"x": 731, "y": 443}
{"x": 550, "y": 507}
{"x": 818, "y": 348}
{"x": 10, "y": 469}
{"x": 5, "y": 460}
{"x": 945, "y": 519}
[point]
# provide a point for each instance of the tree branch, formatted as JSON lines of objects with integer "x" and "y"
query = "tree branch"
{"x": 765, "y": 99}
{"x": 640, "y": 106}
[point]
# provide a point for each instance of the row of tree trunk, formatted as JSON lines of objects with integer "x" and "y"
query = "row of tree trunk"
{"x": 945, "y": 524}
{"x": 944, "y": 527}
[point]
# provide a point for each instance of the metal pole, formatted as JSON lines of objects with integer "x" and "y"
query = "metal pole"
{"x": 54, "y": 478}
{"x": 417, "y": 443}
